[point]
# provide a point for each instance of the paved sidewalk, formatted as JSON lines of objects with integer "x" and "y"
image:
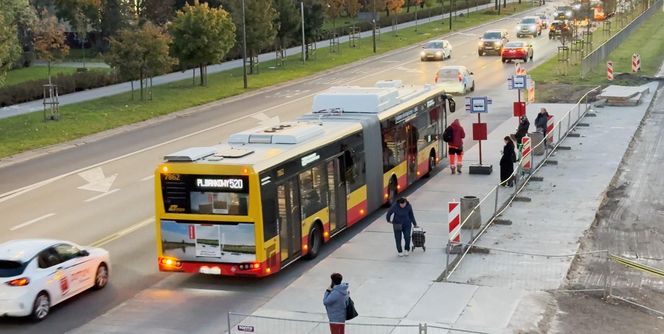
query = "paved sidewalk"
{"x": 186, "y": 75}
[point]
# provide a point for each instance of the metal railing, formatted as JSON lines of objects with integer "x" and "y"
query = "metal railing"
{"x": 499, "y": 198}
{"x": 601, "y": 53}
{"x": 246, "y": 323}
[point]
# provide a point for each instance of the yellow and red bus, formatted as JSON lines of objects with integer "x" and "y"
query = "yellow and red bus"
{"x": 273, "y": 194}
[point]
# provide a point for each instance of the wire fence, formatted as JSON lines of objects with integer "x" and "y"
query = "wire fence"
{"x": 246, "y": 323}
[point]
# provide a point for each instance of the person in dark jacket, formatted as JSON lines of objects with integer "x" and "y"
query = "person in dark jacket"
{"x": 507, "y": 163}
{"x": 401, "y": 216}
{"x": 335, "y": 300}
{"x": 455, "y": 146}
{"x": 522, "y": 130}
{"x": 541, "y": 121}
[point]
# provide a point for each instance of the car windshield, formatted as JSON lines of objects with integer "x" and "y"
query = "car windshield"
{"x": 528, "y": 21}
{"x": 515, "y": 45}
{"x": 434, "y": 45}
{"x": 447, "y": 74}
{"x": 11, "y": 268}
{"x": 491, "y": 35}
{"x": 543, "y": 17}
{"x": 564, "y": 9}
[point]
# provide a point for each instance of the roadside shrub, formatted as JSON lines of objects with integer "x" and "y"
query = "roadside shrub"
{"x": 67, "y": 83}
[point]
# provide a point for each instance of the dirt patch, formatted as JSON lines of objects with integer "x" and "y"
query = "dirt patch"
{"x": 583, "y": 313}
{"x": 561, "y": 93}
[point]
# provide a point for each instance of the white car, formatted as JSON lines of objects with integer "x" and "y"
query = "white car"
{"x": 455, "y": 79}
{"x": 36, "y": 274}
{"x": 438, "y": 49}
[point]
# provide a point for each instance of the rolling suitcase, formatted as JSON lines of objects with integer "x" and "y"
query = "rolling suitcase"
{"x": 419, "y": 238}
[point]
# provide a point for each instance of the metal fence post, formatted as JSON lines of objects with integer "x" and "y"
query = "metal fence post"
{"x": 423, "y": 328}
{"x": 228, "y": 319}
{"x": 569, "y": 123}
{"x": 607, "y": 280}
{"x": 447, "y": 255}
{"x": 495, "y": 204}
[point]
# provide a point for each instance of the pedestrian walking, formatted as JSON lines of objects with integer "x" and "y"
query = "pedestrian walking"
{"x": 541, "y": 121}
{"x": 522, "y": 129}
{"x": 402, "y": 218}
{"x": 507, "y": 163}
{"x": 454, "y": 136}
{"x": 335, "y": 300}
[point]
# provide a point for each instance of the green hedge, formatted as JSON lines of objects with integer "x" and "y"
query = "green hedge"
{"x": 33, "y": 90}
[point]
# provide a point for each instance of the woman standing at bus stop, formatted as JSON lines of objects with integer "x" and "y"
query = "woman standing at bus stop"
{"x": 335, "y": 300}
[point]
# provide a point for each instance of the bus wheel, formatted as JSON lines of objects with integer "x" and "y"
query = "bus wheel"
{"x": 432, "y": 164}
{"x": 315, "y": 241}
{"x": 392, "y": 192}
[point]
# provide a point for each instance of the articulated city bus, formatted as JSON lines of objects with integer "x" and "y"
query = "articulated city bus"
{"x": 273, "y": 194}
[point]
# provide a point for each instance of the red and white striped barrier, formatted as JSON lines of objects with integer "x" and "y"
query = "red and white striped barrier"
{"x": 525, "y": 154}
{"x": 454, "y": 221}
{"x": 549, "y": 129}
{"x": 636, "y": 62}
{"x": 531, "y": 90}
{"x": 609, "y": 70}
{"x": 519, "y": 70}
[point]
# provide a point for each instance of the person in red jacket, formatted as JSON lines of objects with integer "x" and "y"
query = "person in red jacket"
{"x": 455, "y": 146}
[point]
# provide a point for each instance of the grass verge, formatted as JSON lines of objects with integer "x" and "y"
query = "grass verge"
{"x": 647, "y": 41}
{"x": 20, "y": 75}
{"x": 29, "y": 131}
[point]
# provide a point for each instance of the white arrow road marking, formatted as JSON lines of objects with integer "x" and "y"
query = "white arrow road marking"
{"x": 101, "y": 195}
{"x": 265, "y": 120}
{"x": 31, "y": 221}
{"x": 96, "y": 180}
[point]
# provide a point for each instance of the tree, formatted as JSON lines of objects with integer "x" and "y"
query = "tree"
{"x": 333, "y": 10}
{"x": 9, "y": 47}
{"x": 138, "y": 54}
{"x": 202, "y": 36}
{"x": 288, "y": 21}
{"x": 260, "y": 28}
{"x": 49, "y": 40}
{"x": 115, "y": 15}
{"x": 22, "y": 16}
{"x": 394, "y": 6}
{"x": 158, "y": 12}
{"x": 314, "y": 17}
{"x": 352, "y": 7}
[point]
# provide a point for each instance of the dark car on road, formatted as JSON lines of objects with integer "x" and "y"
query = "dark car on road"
{"x": 492, "y": 41}
{"x": 559, "y": 29}
{"x": 564, "y": 13}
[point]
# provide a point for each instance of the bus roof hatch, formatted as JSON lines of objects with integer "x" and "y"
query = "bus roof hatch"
{"x": 285, "y": 133}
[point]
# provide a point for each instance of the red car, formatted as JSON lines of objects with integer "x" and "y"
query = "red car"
{"x": 517, "y": 50}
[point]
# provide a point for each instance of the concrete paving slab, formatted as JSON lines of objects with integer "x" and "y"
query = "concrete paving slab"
{"x": 490, "y": 307}
{"x": 437, "y": 304}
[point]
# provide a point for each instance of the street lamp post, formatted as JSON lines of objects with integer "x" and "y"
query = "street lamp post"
{"x": 244, "y": 47}
{"x": 451, "y": 5}
{"x": 302, "y": 17}
{"x": 374, "y": 26}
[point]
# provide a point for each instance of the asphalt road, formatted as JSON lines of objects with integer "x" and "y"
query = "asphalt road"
{"x": 102, "y": 192}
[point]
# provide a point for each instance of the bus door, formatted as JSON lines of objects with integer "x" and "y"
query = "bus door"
{"x": 290, "y": 227}
{"x": 411, "y": 152}
{"x": 336, "y": 193}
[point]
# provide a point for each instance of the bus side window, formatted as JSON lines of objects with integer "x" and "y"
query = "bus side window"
{"x": 313, "y": 190}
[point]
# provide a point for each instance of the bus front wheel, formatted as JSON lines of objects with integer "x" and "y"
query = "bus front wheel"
{"x": 392, "y": 192}
{"x": 315, "y": 241}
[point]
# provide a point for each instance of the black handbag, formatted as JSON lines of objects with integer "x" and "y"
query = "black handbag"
{"x": 351, "y": 312}
{"x": 397, "y": 227}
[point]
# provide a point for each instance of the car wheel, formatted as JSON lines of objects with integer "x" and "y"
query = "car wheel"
{"x": 315, "y": 241}
{"x": 479, "y": 53}
{"x": 41, "y": 307}
{"x": 101, "y": 277}
{"x": 531, "y": 56}
{"x": 503, "y": 60}
{"x": 392, "y": 192}
{"x": 449, "y": 55}
{"x": 525, "y": 59}
{"x": 432, "y": 164}
{"x": 472, "y": 88}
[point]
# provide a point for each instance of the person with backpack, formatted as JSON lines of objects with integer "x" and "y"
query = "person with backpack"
{"x": 335, "y": 300}
{"x": 402, "y": 218}
{"x": 507, "y": 163}
{"x": 522, "y": 129}
{"x": 453, "y": 136}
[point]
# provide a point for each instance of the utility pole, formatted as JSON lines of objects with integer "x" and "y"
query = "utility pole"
{"x": 451, "y": 2}
{"x": 302, "y": 17}
{"x": 442, "y": 11}
{"x": 244, "y": 47}
{"x": 374, "y": 26}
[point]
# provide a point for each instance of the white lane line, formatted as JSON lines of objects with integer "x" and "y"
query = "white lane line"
{"x": 17, "y": 192}
{"x": 101, "y": 195}
{"x": 32, "y": 221}
{"x": 147, "y": 178}
{"x": 122, "y": 233}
